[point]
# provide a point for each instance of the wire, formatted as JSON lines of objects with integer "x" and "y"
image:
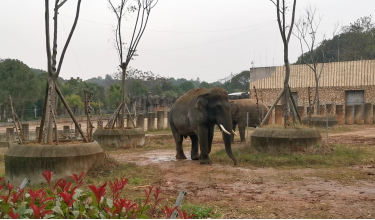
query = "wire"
{"x": 184, "y": 62}
{"x": 168, "y": 31}
{"x": 183, "y": 48}
{"x": 79, "y": 66}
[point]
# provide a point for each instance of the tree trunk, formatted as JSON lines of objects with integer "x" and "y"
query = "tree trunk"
{"x": 122, "y": 124}
{"x": 317, "y": 94}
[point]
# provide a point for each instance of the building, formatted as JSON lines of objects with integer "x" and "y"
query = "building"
{"x": 341, "y": 83}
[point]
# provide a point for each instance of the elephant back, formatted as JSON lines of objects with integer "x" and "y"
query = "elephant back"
{"x": 192, "y": 94}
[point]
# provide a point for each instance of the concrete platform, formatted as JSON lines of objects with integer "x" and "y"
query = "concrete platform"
{"x": 284, "y": 140}
{"x": 30, "y": 160}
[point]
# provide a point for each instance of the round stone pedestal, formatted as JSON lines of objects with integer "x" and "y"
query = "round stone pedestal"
{"x": 120, "y": 138}
{"x": 30, "y": 160}
{"x": 281, "y": 139}
{"x": 321, "y": 120}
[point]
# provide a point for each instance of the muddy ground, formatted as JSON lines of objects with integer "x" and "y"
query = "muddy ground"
{"x": 239, "y": 192}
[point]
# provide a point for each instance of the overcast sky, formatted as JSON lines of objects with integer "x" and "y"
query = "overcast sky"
{"x": 209, "y": 39}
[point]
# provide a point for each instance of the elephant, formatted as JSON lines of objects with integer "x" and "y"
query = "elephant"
{"x": 195, "y": 114}
{"x": 239, "y": 109}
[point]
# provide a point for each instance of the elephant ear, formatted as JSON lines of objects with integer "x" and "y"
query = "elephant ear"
{"x": 233, "y": 107}
{"x": 202, "y": 101}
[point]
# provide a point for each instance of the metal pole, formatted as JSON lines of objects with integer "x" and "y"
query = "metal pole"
{"x": 327, "y": 123}
{"x": 178, "y": 203}
{"x": 247, "y": 126}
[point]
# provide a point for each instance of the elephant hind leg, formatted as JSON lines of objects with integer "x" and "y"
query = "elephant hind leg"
{"x": 178, "y": 140}
{"x": 179, "y": 150}
{"x": 194, "y": 147}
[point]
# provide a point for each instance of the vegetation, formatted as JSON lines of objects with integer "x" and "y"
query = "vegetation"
{"x": 322, "y": 156}
{"x": 354, "y": 42}
{"x": 65, "y": 199}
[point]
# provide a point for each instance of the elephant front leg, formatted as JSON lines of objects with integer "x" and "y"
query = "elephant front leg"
{"x": 203, "y": 143}
{"x": 241, "y": 129}
{"x": 210, "y": 137}
{"x": 194, "y": 147}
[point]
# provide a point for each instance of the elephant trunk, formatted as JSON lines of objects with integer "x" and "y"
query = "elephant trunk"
{"x": 227, "y": 138}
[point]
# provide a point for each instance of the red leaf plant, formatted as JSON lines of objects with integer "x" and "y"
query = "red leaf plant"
{"x": 121, "y": 204}
{"x": 78, "y": 179}
{"x": 12, "y": 214}
{"x": 17, "y": 195}
{"x": 98, "y": 192}
{"x": 183, "y": 215}
{"x": 67, "y": 197}
{"x": 116, "y": 187}
{"x": 6, "y": 198}
{"x": 168, "y": 211}
{"x": 40, "y": 195}
{"x": 48, "y": 176}
{"x": 60, "y": 183}
{"x": 39, "y": 211}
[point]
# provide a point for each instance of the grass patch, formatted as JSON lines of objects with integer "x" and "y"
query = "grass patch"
{"x": 318, "y": 157}
{"x": 201, "y": 211}
{"x": 158, "y": 131}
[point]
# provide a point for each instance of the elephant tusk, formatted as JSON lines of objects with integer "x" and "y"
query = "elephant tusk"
{"x": 234, "y": 133}
{"x": 223, "y": 129}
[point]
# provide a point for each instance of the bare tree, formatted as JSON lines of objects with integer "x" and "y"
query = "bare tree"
{"x": 126, "y": 52}
{"x": 285, "y": 32}
{"x": 53, "y": 69}
{"x": 307, "y": 27}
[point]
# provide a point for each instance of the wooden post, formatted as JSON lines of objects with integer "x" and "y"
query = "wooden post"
{"x": 15, "y": 121}
{"x": 160, "y": 118}
{"x": 37, "y": 132}
{"x": 151, "y": 121}
{"x": 167, "y": 120}
{"x": 66, "y": 131}
{"x": 141, "y": 121}
{"x": 10, "y": 136}
{"x": 25, "y": 132}
{"x": 340, "y": 114}
{"x": 349, "y": 114}
{"x": 358, "y": 114}
{"x": 368, "y": 115}
{"x": 129, "y": 122}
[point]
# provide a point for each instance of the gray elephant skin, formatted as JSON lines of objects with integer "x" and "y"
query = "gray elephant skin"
{"x": 195, "y": 114}
{"x": 239, "y": 109}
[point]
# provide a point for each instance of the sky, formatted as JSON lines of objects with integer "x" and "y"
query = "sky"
{"x": 205, "y": 39}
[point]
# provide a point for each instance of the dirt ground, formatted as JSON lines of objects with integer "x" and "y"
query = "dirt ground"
{"x": 239, "y": 192}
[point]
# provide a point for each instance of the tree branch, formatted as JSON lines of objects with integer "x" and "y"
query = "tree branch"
{"x": 69, "y": 37}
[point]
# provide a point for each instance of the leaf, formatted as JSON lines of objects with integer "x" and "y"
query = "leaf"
{"x": 28, "y": 211}
{"x": 102, "y": 216}
{"x": 110, "y": 203}
{"x": 76, "y": 214}
{"x": 58, "y": 210}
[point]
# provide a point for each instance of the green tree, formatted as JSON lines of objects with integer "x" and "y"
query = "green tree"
{"x": 19, "y": 82}
{"x": 137, "y": 87}
{"x": 205, "y": 85}
{"x": 156, "y": 89}
{"x": 114, "y": 97}
{"x": 75, "y": 102}
{"x": 186, "y": 86}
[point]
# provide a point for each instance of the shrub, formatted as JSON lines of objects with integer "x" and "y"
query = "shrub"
{"x": 66, "y": 200}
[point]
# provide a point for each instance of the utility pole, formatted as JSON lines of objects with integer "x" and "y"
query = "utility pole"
{"x": 35, "y": 111}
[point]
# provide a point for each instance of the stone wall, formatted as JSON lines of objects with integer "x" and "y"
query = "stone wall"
{"x": 328, "y": 95}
